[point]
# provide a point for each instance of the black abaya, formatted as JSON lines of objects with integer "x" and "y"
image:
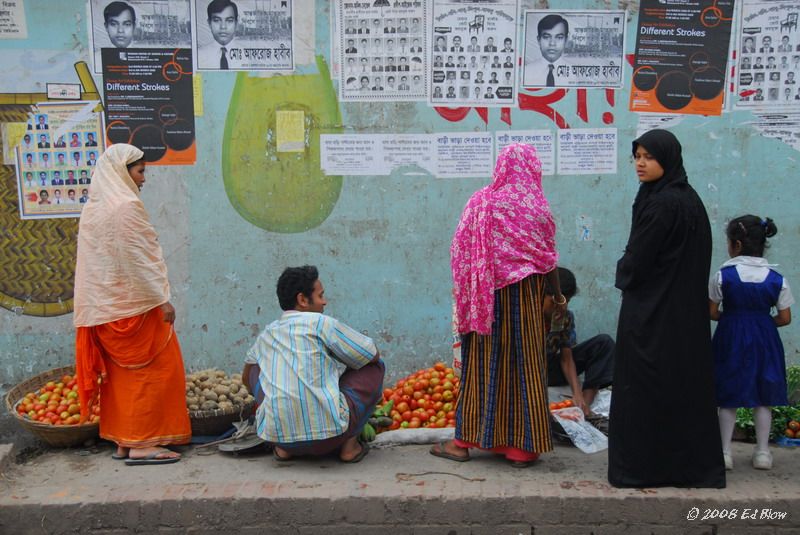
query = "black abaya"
{"x": 663, "y": 428}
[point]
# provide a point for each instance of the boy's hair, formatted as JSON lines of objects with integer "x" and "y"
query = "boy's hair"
{"x": 293, "y": 281}
{"x": 752, "y": 232}
{"x": 566, "y": 279}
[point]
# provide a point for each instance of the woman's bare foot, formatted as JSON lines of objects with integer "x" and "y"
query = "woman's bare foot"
{"x": 152, "y": 453}
{"x": 122, "y": 452}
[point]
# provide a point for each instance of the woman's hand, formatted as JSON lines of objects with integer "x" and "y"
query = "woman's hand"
{"x": 169, "y": 312}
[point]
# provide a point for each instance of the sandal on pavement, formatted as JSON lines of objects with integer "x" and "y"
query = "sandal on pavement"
{"x": 441, "y": 452}
{"x": 152, "y": 458}
{"x": 360, "y": 455}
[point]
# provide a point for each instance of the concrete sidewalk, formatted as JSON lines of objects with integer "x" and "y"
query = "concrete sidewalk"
{"x": 402, "y": 489}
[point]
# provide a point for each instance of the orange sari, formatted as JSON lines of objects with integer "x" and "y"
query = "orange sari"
{"x": 135, "y": 364}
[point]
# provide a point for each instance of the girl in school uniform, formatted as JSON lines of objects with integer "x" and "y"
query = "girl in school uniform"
{"x": 749, "y": 361}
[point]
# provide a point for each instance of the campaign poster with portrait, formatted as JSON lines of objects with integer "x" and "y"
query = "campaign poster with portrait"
{"x": 681, "y": 57}
{"x": 382, "y": 50}
{"x": 769, "y": 56}
{"x": 473, "y": 54}
{"x": 149, "y": 102}
{"x": 138, "y": 24}
{"x": 571, "y": 48}
{"x": 56, "y": 158}
{"x": 244, "y": 35}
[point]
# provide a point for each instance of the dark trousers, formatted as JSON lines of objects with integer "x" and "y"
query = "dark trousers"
{"x": 362, "y": 388}
{"x": 594, "y": 358}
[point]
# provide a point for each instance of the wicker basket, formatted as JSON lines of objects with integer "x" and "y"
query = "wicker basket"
{"x": 59, "y": 436}
{"x": 215, "y": 422}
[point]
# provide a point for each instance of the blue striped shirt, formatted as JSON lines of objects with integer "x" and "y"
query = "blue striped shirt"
{"x": 300, "y": 357}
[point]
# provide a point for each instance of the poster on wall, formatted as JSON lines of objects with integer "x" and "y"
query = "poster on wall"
{"x": 681, "y": 57}
{"x": 444, "y": 155}
{"x": 12, "y": 20}
{"x": 138, "y": 24}
{"x": 573, "y": 48}
{"x": 56, "y": 158}
{"x": 769, "y": 56}
{"x": 587, "y": 151}
{"x": 542, "y": 140}
{"x": 473, "y": 54}
{"x": 149, "y": 102}
{"x": 244, "y": 35}
{"x": 382, "y": 51}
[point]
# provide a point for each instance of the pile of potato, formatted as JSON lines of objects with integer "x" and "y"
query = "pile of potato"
{"x": 212, "y": 389}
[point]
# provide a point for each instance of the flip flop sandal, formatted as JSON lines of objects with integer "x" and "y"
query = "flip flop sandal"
{"x": 152, "y": 459}
{"x": 361, "y": 454}
{"x": 245, "y": 443}
{"x": 449, "y": 456}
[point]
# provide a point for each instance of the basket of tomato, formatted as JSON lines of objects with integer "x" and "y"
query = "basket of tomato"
{"x": 47, "y": 405}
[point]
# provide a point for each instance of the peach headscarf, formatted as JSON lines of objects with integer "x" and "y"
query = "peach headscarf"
{"x": 120, "y": 270}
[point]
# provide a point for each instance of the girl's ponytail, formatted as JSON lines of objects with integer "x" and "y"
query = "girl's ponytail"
{"x": 752, "y": 232}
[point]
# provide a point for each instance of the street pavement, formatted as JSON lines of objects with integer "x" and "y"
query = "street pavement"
{"x": 398, "y": 490}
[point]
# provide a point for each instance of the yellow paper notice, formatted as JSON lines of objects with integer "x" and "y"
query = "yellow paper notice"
{"x": 12, "y": 136}
{"x": 197, "y": 87}
{"x": 290, "y": 131}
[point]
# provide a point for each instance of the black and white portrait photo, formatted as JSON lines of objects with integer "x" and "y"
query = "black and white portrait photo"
{"x": 126, "y": 24}
{"x": 573, "y": 48}
{"x": 245, "y": 35}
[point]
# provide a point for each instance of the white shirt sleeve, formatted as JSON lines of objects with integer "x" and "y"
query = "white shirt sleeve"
{"x": 785, "y": 298}
{"x": 715, "y": 287}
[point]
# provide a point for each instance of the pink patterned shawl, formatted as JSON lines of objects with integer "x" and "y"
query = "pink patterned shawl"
{"x": 505, "y": 234}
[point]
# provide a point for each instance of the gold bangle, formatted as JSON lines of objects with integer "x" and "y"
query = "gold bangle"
{"x": 563, "y": 300}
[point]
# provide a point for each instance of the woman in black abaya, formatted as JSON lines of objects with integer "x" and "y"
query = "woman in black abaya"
{"x": 663, "y": 428}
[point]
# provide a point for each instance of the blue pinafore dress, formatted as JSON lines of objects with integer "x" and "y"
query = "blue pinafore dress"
{"x": 749, "y": 361}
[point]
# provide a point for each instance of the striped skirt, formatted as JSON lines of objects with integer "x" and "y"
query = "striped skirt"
{"x": 503, "y": 399}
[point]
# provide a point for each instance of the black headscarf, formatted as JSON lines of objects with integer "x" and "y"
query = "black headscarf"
{"x": 666, "y": 149}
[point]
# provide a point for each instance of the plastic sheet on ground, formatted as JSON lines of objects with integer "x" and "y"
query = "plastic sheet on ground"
{"x": 602, "y": 403}
{"x": 584, "y": 435}
{"x": 403, "y": 437}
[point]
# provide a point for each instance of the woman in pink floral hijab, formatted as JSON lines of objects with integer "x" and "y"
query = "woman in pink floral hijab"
{"x": 502, "y": 251}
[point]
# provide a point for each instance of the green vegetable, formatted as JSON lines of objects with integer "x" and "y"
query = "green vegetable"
{"x": 780, "y": 415}
{"x": 368, "y": 434}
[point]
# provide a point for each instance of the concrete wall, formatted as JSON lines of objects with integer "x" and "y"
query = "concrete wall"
{"x": 383, "y": 250}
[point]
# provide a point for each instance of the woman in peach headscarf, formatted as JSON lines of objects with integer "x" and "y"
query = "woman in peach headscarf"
{"x": 502, "y": 252}
{"x": 126, "y": 348}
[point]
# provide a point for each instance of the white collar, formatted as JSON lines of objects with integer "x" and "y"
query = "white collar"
{"x": 754, "y": 261}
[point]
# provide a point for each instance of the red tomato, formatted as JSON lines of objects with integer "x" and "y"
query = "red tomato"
{"x": 414, "y": 424}
{"x": 417, "y": 394}
{"x": 406, "y": 416}
{"x": 387, "y": 393}
{"x": 439, "y": 366}
{"x": 402, "y": 407}
{"x": 395, "y": 425}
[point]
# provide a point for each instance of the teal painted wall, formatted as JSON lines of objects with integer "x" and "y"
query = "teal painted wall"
{"x": 383, "y": 251}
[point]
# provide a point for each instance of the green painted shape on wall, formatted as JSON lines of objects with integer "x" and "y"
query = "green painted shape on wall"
{"x": 284, "y": 192}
